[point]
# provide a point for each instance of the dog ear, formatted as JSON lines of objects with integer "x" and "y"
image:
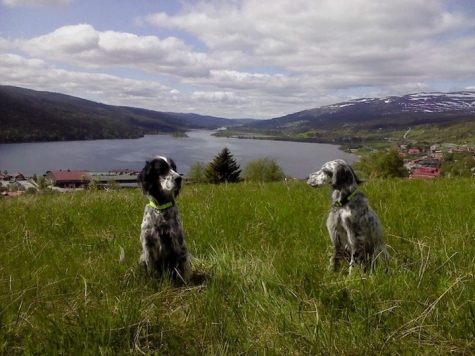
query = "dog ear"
{"x": 172, "y": 164}
{"x": 357, "y": 180}
{"x": 343, "y": 176}
{"x": 142, "y": 177}
{"x": 147, "y": 174}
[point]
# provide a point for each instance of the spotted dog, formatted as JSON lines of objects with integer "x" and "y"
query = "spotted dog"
{"x": 355, "y": 230}
{"x": 162, "y": 236}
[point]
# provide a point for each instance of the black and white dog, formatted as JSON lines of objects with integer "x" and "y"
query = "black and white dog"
{"x": 355, "y": 230}
{"x": 162, "y": 236}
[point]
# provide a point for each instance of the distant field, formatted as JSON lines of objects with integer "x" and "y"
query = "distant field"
{"x": 264, "y": 249}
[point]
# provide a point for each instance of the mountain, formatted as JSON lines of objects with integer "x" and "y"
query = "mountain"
{"x": 432, "y": 116}
{"x": 360, "y": 111}
{"x": 28, "y": 115}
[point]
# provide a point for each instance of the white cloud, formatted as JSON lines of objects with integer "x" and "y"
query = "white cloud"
{"x": 218, "y": 96}
{"x": 36, "y": 3}
{"x": 38, "y": 74}
{"x": 338, "y": 43}
{"x": 262, "y": 58}
{"x": 82, "y": 45}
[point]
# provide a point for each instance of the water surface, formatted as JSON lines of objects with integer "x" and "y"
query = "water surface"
{"x": 297, "y": 159}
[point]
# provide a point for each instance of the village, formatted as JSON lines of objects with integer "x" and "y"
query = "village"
{"x": 66, "y": 180}
{"x": 426, "y": 164}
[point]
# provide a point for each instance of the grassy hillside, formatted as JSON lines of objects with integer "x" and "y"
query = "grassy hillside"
{"x": 446, "y": 128}
{"x": 265, "y": 249}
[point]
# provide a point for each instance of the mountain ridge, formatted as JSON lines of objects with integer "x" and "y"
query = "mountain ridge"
{"x": 27, "y": 116}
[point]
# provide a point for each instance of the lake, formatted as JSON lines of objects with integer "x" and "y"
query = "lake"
{"x": 297, "y": 159}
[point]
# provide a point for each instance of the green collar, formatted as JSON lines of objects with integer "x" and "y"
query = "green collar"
{"x": 346, "y": 200}
{"x": 161, "y": 207}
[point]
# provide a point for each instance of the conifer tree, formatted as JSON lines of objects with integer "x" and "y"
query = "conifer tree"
{"x": 223, "y": 169}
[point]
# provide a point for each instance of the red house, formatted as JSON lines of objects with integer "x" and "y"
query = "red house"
{"x": 68, "y": 179}
{"x": 425, "y": 172}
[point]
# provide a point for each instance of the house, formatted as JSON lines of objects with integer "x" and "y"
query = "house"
{"x": 435, "y": 148}
{"x": 427, "y": 162}
{"x": 19, "y": 176}
{"x": 425, "y": 172}
{"x": 68, "y": 179}
{"x": 125, "y": 178}
{"x": 414, "y": 151}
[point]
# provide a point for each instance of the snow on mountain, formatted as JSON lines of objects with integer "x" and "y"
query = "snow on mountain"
{"x": 463, "y": 101}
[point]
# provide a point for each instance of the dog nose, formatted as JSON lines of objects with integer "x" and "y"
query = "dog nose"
{"x": 178, "y": 179}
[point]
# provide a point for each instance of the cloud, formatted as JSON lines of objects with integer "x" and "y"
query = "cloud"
{"x": 258, "y": 58}
{"x": 36, "y": 3}
{"x": 39, "y": 75}
{"x": 218, "y": 96}
{"x": 362, "y": 38}
{"x": 83, "y": 46}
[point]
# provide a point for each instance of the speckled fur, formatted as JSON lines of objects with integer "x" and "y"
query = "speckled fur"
{"x": 355, "y": 230}
{"x": 164, "y": 248}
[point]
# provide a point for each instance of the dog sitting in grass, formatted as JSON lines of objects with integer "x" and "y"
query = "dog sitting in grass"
{"x": 162, "y": 236}
{"x": 355, "y": 230}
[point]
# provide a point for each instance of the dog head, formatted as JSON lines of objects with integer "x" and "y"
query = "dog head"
{"x": 159, "y": 178}
{"x": 336, "y": 173}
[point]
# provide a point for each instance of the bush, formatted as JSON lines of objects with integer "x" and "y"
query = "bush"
{"x": 197, "y": 173}
{"x": 382, "y": 165}
{"x": 42, "y": 183}
{"x": 263, "y": 170}
{"x": 31, "y": 191}
{"x": 459, "y": 165}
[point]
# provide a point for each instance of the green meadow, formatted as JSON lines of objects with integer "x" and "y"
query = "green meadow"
{"x": 70, "y": 283}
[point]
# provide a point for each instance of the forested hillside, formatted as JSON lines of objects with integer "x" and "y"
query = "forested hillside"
{"x": 28, "y": 116}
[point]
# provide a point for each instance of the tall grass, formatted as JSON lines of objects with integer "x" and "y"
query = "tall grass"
{"x": 70, "y": 282}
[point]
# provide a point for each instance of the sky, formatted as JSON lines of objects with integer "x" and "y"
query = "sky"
{"x": 237, "y": 58}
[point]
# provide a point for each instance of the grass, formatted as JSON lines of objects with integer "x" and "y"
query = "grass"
{"x": 70, "y": 282}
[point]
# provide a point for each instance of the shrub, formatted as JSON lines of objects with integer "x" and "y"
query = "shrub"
{"x": 459, "y": 165}
{"x": 263, "y": 170}
{"x": 197, "y": 173}
{"x": 382, "y": 165}
{"x": 31, "y": 191}
{"x": 42, "y": 183}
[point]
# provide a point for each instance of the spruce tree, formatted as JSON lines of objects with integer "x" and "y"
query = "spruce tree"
{"x": 223, "y": 169}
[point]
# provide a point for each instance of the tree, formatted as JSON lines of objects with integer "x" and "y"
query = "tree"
{"x": 41, "y": 182}
{"x": 223, "y": 169}
{"x": 459, "y": 165}
{"x": 382, "y": 165}
{"x": 263, "y": 170}
{"x": 93, "y": 185}
{"x": 197, "y": 173}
